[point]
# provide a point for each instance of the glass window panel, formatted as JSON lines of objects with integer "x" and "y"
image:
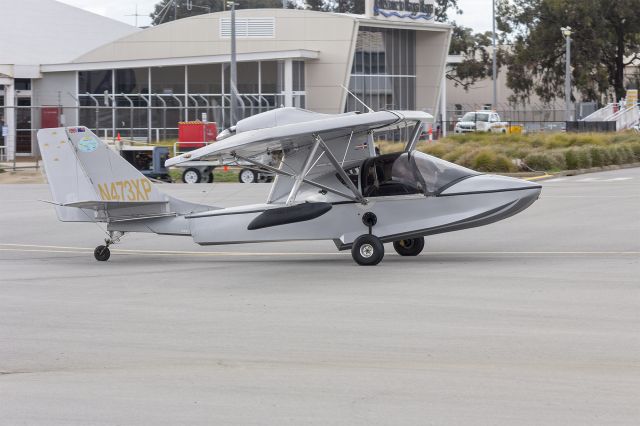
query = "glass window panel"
{"x": 94, "y": 81}
{"x": 298, "y": 76}
{"x": 269, "y": 76}
{"x": 167, "y": 80}
{"x": 205, "y": 78}
{"x": 132, "y": 80}
{"x": 389, "y": 53}
{"x": 247, "y": 77}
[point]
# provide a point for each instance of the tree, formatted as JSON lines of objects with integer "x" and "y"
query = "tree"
{"x": 477, "y": 63}
{"x": 318, "y": 5}
{"x": 605, "y": 40}
{"x": 170, "y": 10}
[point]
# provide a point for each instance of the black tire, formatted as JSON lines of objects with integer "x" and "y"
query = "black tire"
{"x": 191, "y": 175}
{"x": 409, "y": 247}
{"x": 367, "y": 250}
{"x": 247, "y": 176}
{"x": 102, "y": 253}
{"x": 210, "y": 177}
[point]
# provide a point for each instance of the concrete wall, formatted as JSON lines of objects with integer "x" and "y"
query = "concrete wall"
{"x": 431, "y": 52}
{"x": 55, "y": 89}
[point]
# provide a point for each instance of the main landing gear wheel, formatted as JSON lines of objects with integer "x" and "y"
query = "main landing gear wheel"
{"x": 102, "y": 253}
{"x": 409, "y": 247}
{"x": 367, "y": 250}
{"x": 247, "y": 176}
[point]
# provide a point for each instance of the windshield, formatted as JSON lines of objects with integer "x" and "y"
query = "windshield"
{"x": 437, "y": 173}
{"x": 476, "y": 116}
{"x": 403, "y": 174}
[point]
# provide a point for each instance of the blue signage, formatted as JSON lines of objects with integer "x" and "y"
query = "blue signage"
{"x": 419, "y": 9}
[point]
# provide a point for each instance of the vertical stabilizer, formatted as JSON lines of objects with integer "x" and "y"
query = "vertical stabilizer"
{"x": 83, "y": 171}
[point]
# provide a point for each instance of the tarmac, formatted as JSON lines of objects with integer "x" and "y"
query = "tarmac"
{"x": 532, "y": 320}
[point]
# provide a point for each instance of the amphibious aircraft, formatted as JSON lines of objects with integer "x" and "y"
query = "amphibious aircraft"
{"x": 330, "y": 185}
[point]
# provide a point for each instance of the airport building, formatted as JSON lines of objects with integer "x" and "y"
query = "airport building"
{"x": 141, "y": 83}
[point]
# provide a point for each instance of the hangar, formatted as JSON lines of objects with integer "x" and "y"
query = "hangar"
{"x": 144, "y": 82}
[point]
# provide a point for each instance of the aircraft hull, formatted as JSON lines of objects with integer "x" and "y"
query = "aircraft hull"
{"x": 398, "y": 217}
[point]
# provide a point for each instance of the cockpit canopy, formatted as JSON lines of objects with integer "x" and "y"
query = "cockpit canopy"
{"x": 409, "y": 173}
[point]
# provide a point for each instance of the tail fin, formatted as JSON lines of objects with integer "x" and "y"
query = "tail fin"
{"x": 88, "y": 180}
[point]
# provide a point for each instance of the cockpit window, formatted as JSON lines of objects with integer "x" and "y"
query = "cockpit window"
{"x": 390, "y": 175}
{"x": 437, "y": 173}
{"x": 404, "y": 174}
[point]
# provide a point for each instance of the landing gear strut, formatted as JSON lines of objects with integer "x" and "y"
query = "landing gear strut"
{"x": 102, "y": 253}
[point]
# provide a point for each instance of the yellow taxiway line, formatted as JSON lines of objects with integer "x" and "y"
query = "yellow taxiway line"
{"x": 534, "y": 178}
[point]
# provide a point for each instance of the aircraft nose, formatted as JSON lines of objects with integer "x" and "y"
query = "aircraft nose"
{"x": 491, "y": 183}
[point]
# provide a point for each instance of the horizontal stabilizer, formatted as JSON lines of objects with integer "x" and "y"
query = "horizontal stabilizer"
{"x": 110, "y": 205}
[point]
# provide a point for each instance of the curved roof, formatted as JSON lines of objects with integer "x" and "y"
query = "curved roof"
{"x": 34, "y": 32}
{"x": 200, "y": 36}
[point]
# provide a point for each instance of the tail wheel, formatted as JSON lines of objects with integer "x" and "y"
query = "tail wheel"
{"x": 367, "y": 250}
{"x": 192, "y": 175}
{"x": 409, "y": 247}
{"x": 102, "y": 253}
{"x": 247, "y": 176}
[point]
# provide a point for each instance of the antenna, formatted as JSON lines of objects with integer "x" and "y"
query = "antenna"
{"x": 136, "y": 14}
{"x": 357, "y": 99}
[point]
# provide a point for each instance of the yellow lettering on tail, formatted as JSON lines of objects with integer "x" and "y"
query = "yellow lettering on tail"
{"x": 146, "y": 185}
{"x": 125, "y": 190}
{"x": 104, "y": 192}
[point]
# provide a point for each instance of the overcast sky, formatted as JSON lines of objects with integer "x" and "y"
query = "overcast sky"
{"x": 477, "y": 13}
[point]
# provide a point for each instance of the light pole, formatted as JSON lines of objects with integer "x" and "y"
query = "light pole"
{"x": 566, "y": 32}
{"x": 234, "y": 70}
{"x": 495, "y": 60}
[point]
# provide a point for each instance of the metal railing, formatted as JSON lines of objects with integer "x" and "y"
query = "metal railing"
{"x": 602, "y": 113}
{"x": 625, "y": 118}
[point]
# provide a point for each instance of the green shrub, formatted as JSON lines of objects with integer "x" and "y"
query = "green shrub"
{"x": 571, "y": 158}
{"x": 599, "y": 156}
{"x": 614, "y": 155}
{"x": 625, "y": 154}
{"x": 546, "y": 161}
{"x": 503, "y": 164}
{"x": 584, "y": 158}
{"x": 454, "y": 154}
{"x": 635, "y": 147}
{"x": 484, "y": 161}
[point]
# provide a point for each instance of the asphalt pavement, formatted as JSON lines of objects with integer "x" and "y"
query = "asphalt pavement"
{"x": 532, "y": 320}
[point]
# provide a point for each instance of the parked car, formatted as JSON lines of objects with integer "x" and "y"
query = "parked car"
{"x": 481, "y": 121}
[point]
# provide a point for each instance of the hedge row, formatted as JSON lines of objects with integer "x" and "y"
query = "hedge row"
{"x": 539, "y": 152}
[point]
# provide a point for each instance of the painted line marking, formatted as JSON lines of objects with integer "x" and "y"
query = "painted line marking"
{"x": 583, "y": 180}
{"x": 538, "y": 177}
{"x": 67, "y": 249}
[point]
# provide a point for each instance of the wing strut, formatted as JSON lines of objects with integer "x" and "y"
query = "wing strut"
{"x": 303, "y": 173}
{"x": 359, "y": 199}
{"x": 414, "y": 138}
{"x": 340, "y": 170}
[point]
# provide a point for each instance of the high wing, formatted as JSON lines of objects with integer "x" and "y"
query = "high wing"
{"x": 289, "y": 129}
